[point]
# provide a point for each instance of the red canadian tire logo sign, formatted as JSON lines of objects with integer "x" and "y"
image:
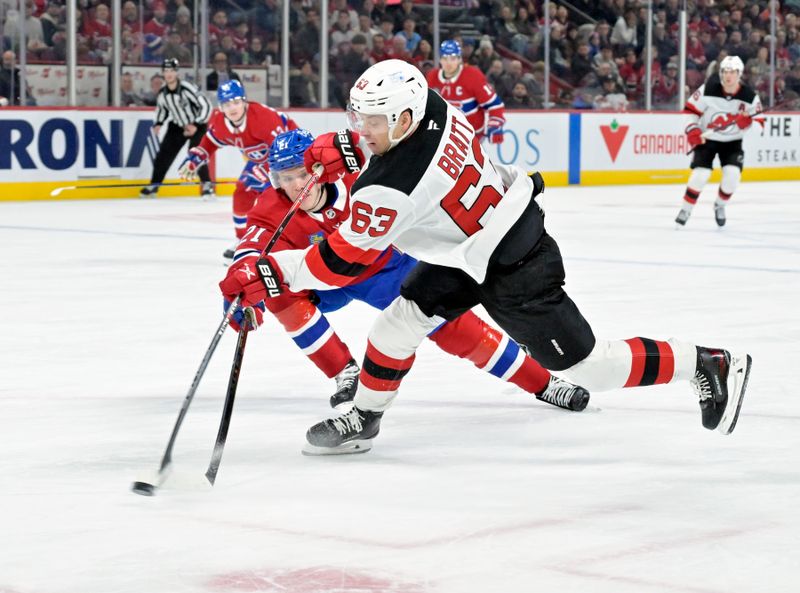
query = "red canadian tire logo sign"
{"x": 614, "y": 136}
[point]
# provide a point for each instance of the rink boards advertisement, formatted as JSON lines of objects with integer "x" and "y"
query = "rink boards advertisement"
{"x": 47, "y": 149}
{"x": 652, "y": 148}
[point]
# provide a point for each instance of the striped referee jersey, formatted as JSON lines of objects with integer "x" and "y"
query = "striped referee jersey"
{"x": 185, "y": 105}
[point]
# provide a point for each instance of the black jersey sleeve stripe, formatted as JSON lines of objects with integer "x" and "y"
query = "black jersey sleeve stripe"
{"x": 337, "y": 264}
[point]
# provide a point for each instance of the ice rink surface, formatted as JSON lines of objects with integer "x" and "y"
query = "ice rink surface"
{"x": 471, "y": 487}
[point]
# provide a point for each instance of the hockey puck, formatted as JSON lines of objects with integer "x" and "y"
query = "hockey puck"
{"x": 143, "y": 488}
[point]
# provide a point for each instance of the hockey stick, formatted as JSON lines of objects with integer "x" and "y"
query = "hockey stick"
{"x": 149, "y": 488}
{"x": 249, "y": 321}
{"x": 233, "y": 381}
{"x": 54, "y": 193}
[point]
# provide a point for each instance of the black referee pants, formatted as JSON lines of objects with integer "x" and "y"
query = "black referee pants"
{"x": 171, "y": 146}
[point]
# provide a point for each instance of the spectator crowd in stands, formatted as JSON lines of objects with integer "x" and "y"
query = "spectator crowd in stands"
{"x": 597, "y": 55}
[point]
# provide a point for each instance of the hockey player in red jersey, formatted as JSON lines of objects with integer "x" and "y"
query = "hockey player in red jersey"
{"x": 721, "y": 111}
{"x": 466, "y": 88}
{"x": 302, "y": 313}
{"x": 475, "y": 225}
{"x": 249, "y": 126}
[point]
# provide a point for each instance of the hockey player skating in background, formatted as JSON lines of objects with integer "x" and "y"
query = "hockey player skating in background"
{"x": 249, "y": 126}
{"x": 302, "y": 313}
{"x": 466, "y": 87}
{"x": 721, "y": 111}
{"x": 430, "y": 190}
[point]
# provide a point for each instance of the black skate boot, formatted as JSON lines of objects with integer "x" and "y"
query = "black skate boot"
{"x": 148, "y": 191}
{"x": 350, "y": 433}
{"x": 683, "y": 216}
{"x": 720, "y": 381}
{"x": 346, "y": 385}
{"x": 719, "y": 214}
{"x": 230, "y": 252}
{"x": 564, "y": 395}
{"x": 207, "y": 192}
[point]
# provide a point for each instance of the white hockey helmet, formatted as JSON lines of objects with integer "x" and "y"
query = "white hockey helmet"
{"x": 389, "y": 88}
{"x": 732, "y": 63}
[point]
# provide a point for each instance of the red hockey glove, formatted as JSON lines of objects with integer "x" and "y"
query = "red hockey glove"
{"x": 494, "y": 130}
{"x": 338, "y": 152}
{"x": 744, "y": 120}
{"x": 243, "y": 279}
{"x": 197, "y": 158}
{"x": 238, "y": 316}
{"x": 694, "y": 135}
{"x": 271, "y": 277}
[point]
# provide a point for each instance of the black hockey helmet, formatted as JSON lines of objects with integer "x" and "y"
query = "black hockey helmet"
{"x": 170, "y": 64}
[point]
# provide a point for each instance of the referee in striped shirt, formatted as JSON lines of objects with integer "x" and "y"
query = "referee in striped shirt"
{"x": 188, "y": 112}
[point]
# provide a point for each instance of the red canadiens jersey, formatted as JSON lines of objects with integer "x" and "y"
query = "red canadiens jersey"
{"x": 469, "y": 91}
{"x": 305, "y": 229}
{"x": 253, "y": 138}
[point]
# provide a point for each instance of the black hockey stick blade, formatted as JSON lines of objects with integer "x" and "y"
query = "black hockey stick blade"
{"x": 230, "y": 396}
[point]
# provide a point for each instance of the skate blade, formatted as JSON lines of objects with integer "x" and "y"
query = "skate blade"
{"x": 348, "y": 448}
{"x": 740, "y": 374}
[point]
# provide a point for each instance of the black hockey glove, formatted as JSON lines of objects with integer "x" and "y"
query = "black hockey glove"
{"x": 538, "y": 183}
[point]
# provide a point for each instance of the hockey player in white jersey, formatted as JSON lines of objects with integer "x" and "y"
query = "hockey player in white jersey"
{"x": 430, "y": 190}
{"x": 721, "y": 111}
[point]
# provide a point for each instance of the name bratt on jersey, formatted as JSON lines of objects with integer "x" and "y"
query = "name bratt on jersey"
{"x": 456, "y": 149}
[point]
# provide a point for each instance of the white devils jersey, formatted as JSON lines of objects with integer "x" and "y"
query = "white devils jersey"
{"x": 435, "y": 196}
{"x": 714, "y": 109}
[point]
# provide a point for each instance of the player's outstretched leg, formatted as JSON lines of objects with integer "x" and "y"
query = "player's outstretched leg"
{"x": 346, "y": 386}
{"x": 350, "y": 433}
{"x": 720, "y": 382}
{"x": 491, "y": 350}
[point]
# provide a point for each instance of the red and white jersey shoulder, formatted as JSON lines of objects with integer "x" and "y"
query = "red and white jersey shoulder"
{"x": 435, "y": 196}
{"x": 714, "y": 109}
{"x": 253, "y": 137}
{"x": 470, "y": 92}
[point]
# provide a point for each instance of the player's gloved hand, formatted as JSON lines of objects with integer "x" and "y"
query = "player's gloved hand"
{"x": 694, "y": 135}
{"x": 538, "y": 183}
{"x": 196, "y": 158}
{"x": 243, "y": 279}
{"x": 271, "y": 277}
{"x": 338, "y": 152}
{"x": 254, "y": 177}
{"x": 744, "y": 120}
{"x": 238, "y": 316}
{"x": 494, "y": 130}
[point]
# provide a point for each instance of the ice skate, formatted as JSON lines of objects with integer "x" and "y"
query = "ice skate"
{"x": 683, "y": 216}
{"x": 720, "y": 382}
{"x": 207, "y": 193}
{"x": 719, "y": 214}
{"x": 564, "y": 394}
{"x": 346, "y": 385}
{"x": 350, "y": 433}
{"x": 230, "y": 252}
{"x": 148, "y": 192}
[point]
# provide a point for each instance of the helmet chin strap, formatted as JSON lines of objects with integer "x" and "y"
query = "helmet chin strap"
{"x": 392, "y": 142}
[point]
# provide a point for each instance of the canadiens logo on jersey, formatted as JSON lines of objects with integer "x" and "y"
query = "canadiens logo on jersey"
{"x": 256, "y": 153}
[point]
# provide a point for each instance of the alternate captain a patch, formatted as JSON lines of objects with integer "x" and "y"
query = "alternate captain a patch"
{"x": 316, "y": 238}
